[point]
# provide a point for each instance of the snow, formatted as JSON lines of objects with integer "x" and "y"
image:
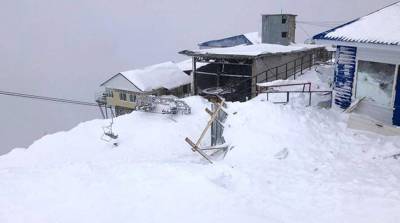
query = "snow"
{"x": 289, "y": 164}
{"x": 281, "y": 82}
{"x": 257, "y": 49}
{"x": 381, "y": 27}
{"x": 164, "y": 75}
{"x": 187, "y": 65}
{"x": 253, "y": 37}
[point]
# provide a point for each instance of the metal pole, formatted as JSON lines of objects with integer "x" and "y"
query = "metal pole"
{"x": 286, "y": 71}
{"x": 301, "y": 65}
{"x": 287, "y": 97}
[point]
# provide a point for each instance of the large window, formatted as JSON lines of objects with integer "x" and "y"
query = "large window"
{"x": 122, "y": 96}
{"x": 375, "y": 82}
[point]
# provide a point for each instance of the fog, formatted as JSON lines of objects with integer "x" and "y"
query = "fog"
{"x": 67, "y": 48}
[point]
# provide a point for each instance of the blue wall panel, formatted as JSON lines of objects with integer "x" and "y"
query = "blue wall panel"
{"x": 344, "y": 75}
{"x": 396, "y": 112}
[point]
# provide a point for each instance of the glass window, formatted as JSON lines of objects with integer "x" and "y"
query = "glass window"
{"x": 284, "y": 34}
{"x": 132, "y": 98}
{"x": 122, "y": 96}
{"x": 375, "y": 82}
{"x": 284, "y": 19}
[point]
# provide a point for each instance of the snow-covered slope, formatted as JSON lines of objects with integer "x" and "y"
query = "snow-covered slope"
{"x": 288, "y": 164}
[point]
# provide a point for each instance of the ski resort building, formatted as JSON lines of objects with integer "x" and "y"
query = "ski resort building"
{"x": 123, "y": 89}
{"x": 367, "y": 63}
{"x": 238, "y": 69}
{"x": 235, "y": 65}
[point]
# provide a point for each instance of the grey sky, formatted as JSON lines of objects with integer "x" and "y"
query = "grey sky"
{"x": 66, "y": 48}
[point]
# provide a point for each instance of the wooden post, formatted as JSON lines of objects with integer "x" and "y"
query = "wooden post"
{"x": 276, "y": 73}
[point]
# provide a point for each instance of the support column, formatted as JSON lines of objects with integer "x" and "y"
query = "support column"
{"x": 194, "y": 76}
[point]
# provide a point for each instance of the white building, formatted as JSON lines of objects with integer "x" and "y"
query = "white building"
{"x": 368, "y": 59}
{"x": 122, "y": 89}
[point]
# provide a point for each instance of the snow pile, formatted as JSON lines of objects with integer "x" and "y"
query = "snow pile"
{"x": 165, "y": 75}
{"x": 288, "y": 164}
{"x": 381, "y": 27}
{"x": 253, "y": 37}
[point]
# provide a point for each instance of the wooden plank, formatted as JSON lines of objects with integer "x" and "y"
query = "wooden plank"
{"x": 354, "y": 105}
{"x": 213, "y": 117}
{"x": 209, "y": 112}
{"x": 197, "y": 149}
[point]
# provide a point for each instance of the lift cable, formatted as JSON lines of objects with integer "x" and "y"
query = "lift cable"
{"x": 37, "y": 97}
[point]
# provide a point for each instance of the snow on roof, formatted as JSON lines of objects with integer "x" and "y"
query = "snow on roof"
{"x": 253, "y": 50}
{"x": 187, "y": 65}
{"x": 164, "y": 75}
{"x": 253, "y": 37}
{"x": 380, "y": 27}
{"x": 242, "y": 39}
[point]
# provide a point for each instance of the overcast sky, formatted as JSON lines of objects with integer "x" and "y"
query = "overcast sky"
{"x": 66, "y": 48}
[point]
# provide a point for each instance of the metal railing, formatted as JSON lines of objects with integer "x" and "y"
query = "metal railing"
{"x": 306, "y": 89}
{"x": 285, "y": 71}
{"x": 310, "y": 93}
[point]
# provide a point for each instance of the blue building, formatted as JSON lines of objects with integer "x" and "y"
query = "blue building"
{"x": 367, "y": 63}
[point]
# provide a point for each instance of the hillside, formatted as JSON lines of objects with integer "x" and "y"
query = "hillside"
{"x": 288, "y": 164}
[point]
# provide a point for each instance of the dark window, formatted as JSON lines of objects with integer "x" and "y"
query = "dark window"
{"x": 122, "y": 96}
{"x": 284, "y": 19}
{"x": 132, "y": 98}
{"x": 186, "y": 88}
{"x": 284, "y": 34}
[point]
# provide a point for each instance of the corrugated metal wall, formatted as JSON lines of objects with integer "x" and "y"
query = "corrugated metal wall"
{"x": 344, "y": 75}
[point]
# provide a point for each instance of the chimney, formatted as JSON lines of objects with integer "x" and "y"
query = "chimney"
{"x": 278, "y": 29}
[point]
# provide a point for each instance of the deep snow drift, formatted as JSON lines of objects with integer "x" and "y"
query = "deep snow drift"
{"x": 288, "y": 164}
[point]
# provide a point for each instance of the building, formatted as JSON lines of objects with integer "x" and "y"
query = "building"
{"x": 123, "y": 89}
{"x": 236, "y": 65}
{"x": 367, "y": 63}
{"x": 242, "y": 39}
{"x": 244, "y": 66}
{"x": 278, "y": 29}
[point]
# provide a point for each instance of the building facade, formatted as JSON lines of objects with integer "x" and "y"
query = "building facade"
{"x": 367, "y": 63}
{"x": 122, "y": 91}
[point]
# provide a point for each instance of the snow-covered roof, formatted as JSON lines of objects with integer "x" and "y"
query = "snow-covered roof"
{"x": 253, "y": 50}
{"x": 242, "y": 39}
{"x": 187, "y": 65}
{"x": 380, "y": 27}
{"x": 164, "y": 75}
{"x": 253, "y": 37}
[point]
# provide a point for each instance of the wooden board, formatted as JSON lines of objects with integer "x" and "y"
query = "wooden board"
{"x": 197, "y": 149}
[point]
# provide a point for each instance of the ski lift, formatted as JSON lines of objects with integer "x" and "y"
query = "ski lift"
{"x": 108, "y": 133}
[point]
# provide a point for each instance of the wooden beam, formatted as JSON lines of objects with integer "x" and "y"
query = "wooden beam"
{"x": 195, "y": 148}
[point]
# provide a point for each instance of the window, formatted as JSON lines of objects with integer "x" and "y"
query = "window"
{"x": 122, "y": 96}
{"x": 186, "y": 88}
{"x": 109, "y": 93}
{"x": 284, "y": 19}
{"x": 284, "y": 34}
{"x": 132, "y": 98}
{"x": 375, "y": 82}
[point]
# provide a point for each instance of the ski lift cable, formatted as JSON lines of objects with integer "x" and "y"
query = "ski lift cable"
{"x": 45, "y": 98}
